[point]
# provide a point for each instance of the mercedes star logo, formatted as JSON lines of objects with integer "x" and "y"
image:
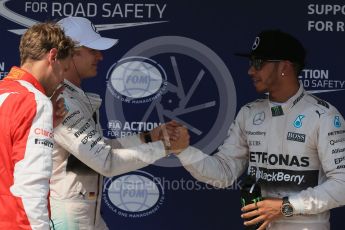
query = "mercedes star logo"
{"x": 259, "y": 118}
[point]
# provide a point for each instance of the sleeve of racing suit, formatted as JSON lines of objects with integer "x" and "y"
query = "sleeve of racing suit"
{"x": 32, "y": 156}
{"x": 124, "y": 142}
{"x": 79, "y": 136}
{"x": 225, "y": 166}
{"x": 331, "y": 151}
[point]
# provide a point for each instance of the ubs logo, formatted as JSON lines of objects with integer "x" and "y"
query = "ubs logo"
{"x": 254, "y": 143}
{"x": 259, "y": 118}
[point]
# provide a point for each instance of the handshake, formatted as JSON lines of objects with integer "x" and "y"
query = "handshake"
{"x": 174, "y": 136}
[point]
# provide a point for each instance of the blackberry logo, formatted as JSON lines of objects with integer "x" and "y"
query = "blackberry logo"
{"x": 279, "y": 176}
{"x": 252, "y": 171}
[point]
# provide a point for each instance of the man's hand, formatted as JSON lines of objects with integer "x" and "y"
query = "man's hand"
{"x": 181, "y": 143}
{"x": 174, "y": 136}
{"x": 167, "y": 131}
{"x": 263, "y": 211}
{"x": 59, "y": 110}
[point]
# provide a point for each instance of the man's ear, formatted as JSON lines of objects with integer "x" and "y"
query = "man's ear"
{"x": 284, "y": 66}
{"x": 52, "y": 56}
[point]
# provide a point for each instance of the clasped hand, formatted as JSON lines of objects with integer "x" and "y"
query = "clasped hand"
{"x": 174, "y": 136}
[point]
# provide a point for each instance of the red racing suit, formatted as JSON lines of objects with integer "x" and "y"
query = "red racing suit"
{"x": 296, "y": 149}
{"x": 26, "y": 146}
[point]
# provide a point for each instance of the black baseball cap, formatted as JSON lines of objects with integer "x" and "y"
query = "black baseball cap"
{"x": 276, "y": 45}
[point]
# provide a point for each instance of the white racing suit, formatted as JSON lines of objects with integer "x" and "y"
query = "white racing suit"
{"x": 295, "y": 150}
{"x": 81, "y": 154}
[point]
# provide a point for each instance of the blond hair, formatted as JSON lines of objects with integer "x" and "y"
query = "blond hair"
{"x": 41, "y": 38}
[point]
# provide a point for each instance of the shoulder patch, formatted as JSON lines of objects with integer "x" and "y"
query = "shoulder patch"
{"x": 69, "y": 87}
{"x": 251, "y": 104}
{"x": 320, "y": 102}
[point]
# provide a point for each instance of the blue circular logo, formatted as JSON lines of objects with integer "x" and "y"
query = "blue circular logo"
{"x": 134, "y": 193}
{"x": 136, "y": 77}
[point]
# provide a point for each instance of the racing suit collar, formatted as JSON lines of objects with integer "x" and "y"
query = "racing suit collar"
{"x": 278, "y": 110}
{"x": 93, "y": 99}
{"x": 17, "y": 73}
{"x": 72, "y": 88}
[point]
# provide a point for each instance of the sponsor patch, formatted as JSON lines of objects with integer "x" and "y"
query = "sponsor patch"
{"x": 299, "y": 137}
{"x": 277, "y": 111}
{"x": 293, "y": 179}
{"x": 44, "y": 142}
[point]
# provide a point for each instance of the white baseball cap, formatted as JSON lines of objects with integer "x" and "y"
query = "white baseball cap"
{"x": 82, "y": 31}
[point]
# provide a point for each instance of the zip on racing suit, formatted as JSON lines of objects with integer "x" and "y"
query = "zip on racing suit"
{"x": 81, "y": 154}
{"x": 295, "y": 150}
{"x": 26, "y": 146}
